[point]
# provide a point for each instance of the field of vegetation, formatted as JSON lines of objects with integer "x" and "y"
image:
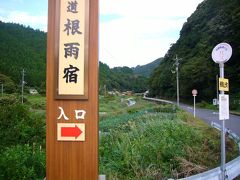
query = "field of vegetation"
{"x": 143, "y": 141}
{"x": 153, "y": 141}
{"x": 22, "y": 134}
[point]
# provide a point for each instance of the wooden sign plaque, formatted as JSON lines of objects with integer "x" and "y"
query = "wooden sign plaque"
{"x": 72, "y": 90}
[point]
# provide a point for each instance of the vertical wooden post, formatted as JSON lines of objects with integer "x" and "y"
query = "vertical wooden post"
{"x": 70, "y": 160}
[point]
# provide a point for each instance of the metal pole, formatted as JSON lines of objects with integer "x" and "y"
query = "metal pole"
{"x": 177, "y": 77}
{"x": 2, "y": 89}
{"x": 194, "y": 105}
{"x": 223, "y": 154}
{"x": 22, "y": 83}
{"x": 177, "y": 86}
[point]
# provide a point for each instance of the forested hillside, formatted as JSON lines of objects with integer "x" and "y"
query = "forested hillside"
{"x": 25, "y": 48}
{"x": 213, "y": 22}
{"x": 146, "y": 70}
{"x": 121, "y": 78}
{"x": 22, "y": 47}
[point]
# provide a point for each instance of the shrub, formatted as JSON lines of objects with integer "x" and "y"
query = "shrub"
{"x": 8, "y": 100}
{"x": 18, "y": 127}
{"x": 165, "y": 108}
{"x": 22, "y": 162}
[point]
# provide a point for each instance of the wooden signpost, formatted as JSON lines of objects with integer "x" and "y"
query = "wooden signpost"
{"x": 72, "y": 90}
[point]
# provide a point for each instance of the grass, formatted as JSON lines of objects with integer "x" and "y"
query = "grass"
{"x": 36, "y": 102}
{"x": 234, "y": 107}
{"x": 37, "y": 105}
{"x": 113, "y": 105}
{"x": 206, "y": 105}
{"x": 153, "y": 141}
{"x": 150, "y": 141}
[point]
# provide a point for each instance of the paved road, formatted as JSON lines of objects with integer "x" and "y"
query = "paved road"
{"x": 209, "y": 115}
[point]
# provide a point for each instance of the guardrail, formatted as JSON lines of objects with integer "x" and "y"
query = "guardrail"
{"x": 158, "y": 100}
{"x": 230, "y": 134}
{"x": 232, "y": 168}
{"x": 232, "y": 171}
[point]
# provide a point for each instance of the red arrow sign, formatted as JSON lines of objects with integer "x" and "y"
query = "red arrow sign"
{"x": 71, "y": 132}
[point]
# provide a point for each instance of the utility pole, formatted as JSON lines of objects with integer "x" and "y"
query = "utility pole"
{"x": 1, "y": 88}
{"x": 23, "y": 82}
{"x": 105, "y": 90}
{"x": 177, "y": 76}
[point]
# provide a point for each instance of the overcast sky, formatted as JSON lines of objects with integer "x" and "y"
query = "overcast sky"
{"x": 132, "y": 32}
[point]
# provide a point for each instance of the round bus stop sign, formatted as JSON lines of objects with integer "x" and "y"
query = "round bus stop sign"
{"x": 194, "y": 92}
{"x": 221, "y": 53}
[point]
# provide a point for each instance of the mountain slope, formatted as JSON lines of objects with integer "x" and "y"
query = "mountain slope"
{"x": 121, "y": 78}
{"x": 146, "y": 70}
{"x": 213, "y": 22}
{"x": 23, "y": 47}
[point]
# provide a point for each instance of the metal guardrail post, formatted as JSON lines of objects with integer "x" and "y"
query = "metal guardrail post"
{"x": 102, "y": 177}
{"x": 158, "y": 100}
{"x": 231, "y": 134}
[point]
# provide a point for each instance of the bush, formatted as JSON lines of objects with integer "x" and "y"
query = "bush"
{"x": 8, "y": 84}
{"x": 22, "y": 162}
{"x": 8, "y": 100}
{"x": 18, "y": 127}
{"x": 202, "y": 104}
{"x": 132, "y": 110}
{"x": 165, "y": 108}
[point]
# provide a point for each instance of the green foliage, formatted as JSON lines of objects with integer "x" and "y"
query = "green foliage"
{"x": 152, "y": 141}
{"x": 213, "y": 22}
{"x": 8, "y": 84}
{"x": 8, "y": 99}
{"x": 22, "y": 47}
{"x": 22, "y": 133}
{"x": 22, "y": 162}
{"x": 204, "y": 104}
{"x": 18, "y": 127}
{"x": 120, "y": 78}
{"x": 110, "y": 106}
{"x": 157, "y": 146}
{"x": 37, "y": 102}
{"x": 165, "y": 109}
{"x": 146, "y": 70}
{"x": 235, "y": 102}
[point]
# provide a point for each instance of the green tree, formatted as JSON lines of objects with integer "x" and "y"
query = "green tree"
{"x": 213, "y": 22}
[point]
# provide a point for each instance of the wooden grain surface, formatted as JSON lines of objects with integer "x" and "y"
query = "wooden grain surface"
{"x": 72, "y": 160}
